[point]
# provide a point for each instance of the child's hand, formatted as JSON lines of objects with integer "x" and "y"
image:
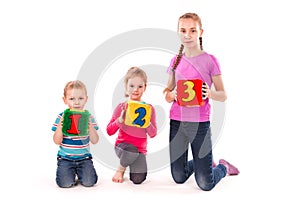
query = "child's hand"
{"x": 123, "y": 114}
{"x": 91, "y": 127}
{"x": 58, "y": 134}
{"x": 170, "y": 96}
{"x": 206, "y": 92}
{"x": 60, "y": 124}
{"x": 94, "y": 137}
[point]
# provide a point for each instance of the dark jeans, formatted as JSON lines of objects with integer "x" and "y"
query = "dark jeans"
{"x": 198, "y": 135}
{"x": 67, "y": 170}
{"x": 129, "y": 156}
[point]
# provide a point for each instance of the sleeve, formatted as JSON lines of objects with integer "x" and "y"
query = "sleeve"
{"x": 152, "y": 128}
{"x": 94, "y": 123}
{"x": 54, "y": 126}
{"x": 114, "y": 125}
{"x": 169, "y": 70}
{"x": 215, "y": 68}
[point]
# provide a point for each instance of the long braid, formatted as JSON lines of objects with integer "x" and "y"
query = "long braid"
{"x": 201, "y": 47}
{"x": 178, "y": 58}
{"x": 176, "y": 63}
{"x": 172, "y": 84}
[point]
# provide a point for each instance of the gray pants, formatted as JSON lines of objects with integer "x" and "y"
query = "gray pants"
{"x": 129, "y": 156}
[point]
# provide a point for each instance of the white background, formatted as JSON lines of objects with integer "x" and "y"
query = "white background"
{"x": 43, "y": 45}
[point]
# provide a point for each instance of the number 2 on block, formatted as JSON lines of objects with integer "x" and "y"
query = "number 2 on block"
{"x": 141, "y": 111}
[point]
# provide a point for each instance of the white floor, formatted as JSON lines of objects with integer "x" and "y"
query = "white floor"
{"x": 33, "y": 177}
{"x": 30, "y": 173}
{"x": 158, "y": 184}
{"x": 44, "y": 44}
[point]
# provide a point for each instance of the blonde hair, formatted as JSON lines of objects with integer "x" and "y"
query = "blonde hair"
{"x": 133, "y": 72}
{"x": 74, "y": 85}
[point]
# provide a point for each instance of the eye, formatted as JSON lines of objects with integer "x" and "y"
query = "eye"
{"x": 81, "y": 98}
{"x": 131, "y": 86}
{"x": 71, "y": 98}
{"x": 140, "y": 86}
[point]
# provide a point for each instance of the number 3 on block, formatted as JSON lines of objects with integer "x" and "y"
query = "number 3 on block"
{"x": 189, "y": 92}
{"x": 138, "y": 114}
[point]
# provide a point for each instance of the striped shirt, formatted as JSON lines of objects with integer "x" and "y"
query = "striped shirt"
{"x": 74, "y": 147}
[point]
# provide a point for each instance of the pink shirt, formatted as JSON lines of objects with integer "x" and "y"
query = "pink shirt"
{"x": 130, "y": 134}
{"x": 202, "y": 67}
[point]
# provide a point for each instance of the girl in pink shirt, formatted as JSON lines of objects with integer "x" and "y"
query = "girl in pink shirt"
{"x": 190, "y": 122}
{"x": 131, "y": 143}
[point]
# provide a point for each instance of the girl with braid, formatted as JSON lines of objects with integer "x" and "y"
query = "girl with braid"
{"x": 190, "y": 124}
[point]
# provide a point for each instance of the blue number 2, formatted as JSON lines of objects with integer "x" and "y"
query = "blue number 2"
{"x": 139, "y": 120}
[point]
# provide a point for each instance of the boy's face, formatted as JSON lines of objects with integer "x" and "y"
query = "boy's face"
{"x": 76, "y": 99}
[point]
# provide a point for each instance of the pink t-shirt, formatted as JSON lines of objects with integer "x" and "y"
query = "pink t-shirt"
{"x": 130, "y": 134}
{"x": 202, "y": 67}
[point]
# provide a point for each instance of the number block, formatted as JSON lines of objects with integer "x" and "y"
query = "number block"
{"x": 189, "y": 92}
{"x": 75, "y": 122}
{"x": 138, "y": 114}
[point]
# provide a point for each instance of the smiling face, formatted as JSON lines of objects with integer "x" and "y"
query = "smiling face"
{"x": 75, "y": 98}
{"x": 189, "y": 32}
{"x": 135, "y": 82}
{"x": 135, "y": 88}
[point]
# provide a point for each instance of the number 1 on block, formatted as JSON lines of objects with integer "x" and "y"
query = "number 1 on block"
{"x": 75, "y": 122}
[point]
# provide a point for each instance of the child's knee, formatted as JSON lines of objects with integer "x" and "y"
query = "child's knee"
{"x": 89, "y": 182}
{"x": 65, "y": 184}
{"x": 138, "y": 178}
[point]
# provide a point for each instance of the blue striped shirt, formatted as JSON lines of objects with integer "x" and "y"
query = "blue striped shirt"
{"x": 74, "y": 147}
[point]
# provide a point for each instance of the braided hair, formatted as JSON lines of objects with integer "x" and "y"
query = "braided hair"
{"x": 196, "y": 18}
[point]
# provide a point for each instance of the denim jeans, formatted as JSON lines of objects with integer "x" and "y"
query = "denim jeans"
{"x": 198, "y": 135}
{"x": 67, "y": 170}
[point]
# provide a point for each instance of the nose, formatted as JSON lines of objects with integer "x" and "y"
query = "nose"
{"x": 187, "y": 35}
{"x": 76, "y": 101}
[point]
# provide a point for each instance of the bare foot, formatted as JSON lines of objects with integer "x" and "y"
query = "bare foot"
{"x": 119, "y": 175}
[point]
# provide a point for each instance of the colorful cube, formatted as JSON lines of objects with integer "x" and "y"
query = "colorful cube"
{"x": 138, "y": 114}
{"x": 189, "y": 92}
{"x": 75, "y": 122}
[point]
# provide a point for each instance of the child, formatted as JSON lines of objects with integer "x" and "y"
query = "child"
{"x": 131, "y": 143}
{"x": 191, "y": 124}
{"x": 74, "y": 157}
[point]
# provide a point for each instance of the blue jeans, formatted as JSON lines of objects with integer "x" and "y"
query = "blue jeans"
{"x": 198, "y": 135}
{"x": 67, "y": 170}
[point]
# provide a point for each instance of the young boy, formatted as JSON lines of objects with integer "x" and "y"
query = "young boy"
{"x": 74, "y": 157}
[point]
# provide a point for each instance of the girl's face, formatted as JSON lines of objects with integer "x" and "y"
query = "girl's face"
{"x": 189, "y": 32}
{"x": 75, "y": 98}
{"x": 135, "y": 88}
